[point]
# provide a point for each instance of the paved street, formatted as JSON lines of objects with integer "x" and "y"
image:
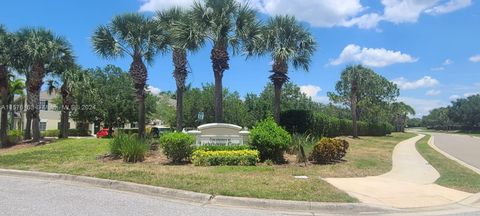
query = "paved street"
{"x": 25, "y": 196}
{"x": 462, "y": 147}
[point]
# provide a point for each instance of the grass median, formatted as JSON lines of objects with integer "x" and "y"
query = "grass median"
{"x": 452, "y": 174}
{"x": 366, "y": 156}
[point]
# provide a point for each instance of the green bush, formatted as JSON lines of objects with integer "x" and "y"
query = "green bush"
{"x": 14, "y": 136}
{"x": 225, "y": 158}
{"x": 270, "y": 140}
{"x": 177, "y": 146}
{"x": 329, "y": 150}
{"x": 50, "y": 133}
{"x": 321, "y": 125}
{"x": 223, "y": 148}
{"x": 129, "y": 147}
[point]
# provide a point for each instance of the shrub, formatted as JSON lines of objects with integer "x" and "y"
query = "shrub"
{"x": 14, "y": 136}
{"x": 299, "y": 142}
{"x": 270, "y": 140}
{"x": 223, "y": 148}
{"x": 129, "y": 147}
{"x": 50, "y": 133}
{"x": 177, "y": 146}
{"x": 225, "y": 158}
{"x": 329, "y": 150}
{"x": 128, "y": 131}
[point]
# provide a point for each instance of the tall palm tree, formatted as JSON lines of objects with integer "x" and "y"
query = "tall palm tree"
{"x": 37, "y": 52}
{"x": 226, "y": 24}
{"x": 182, "y": 36}
{"x": 5, "y": 58}
{"x": 287, "y": 42}
{"x": 136, "y": 36}
{"x": 16, "y": 87}
{"x": 72, "y": 80}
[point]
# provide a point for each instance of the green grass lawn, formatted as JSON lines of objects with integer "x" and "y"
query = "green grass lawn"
{"x": 366, "y": 156}
{"x": 453, "y": 174}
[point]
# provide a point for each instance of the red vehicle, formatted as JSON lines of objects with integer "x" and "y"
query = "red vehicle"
{"x": 103, "y": 133}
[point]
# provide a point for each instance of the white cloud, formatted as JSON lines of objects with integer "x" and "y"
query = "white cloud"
{"x": 475, "y": 58}
{"x": 454, "y": 97}
{"x": 154, "y": 90}
{"x": 447, "y": 62}
{"x": 312, "y": 91}
{"x": 449, "y": 6}
{"x": 422, "y": 106}
{"x": 437, "y": 69}
{"x": 153, "y": 5}
{"x": 329, "y": 13}
{"x": 433, "y": 92}
{"x": 423, "y": 82}
{"x": 375, "y": 57}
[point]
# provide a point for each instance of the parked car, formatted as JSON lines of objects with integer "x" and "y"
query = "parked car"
{"x": 103, "y": 133}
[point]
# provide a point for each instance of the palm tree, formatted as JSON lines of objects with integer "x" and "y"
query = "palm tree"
{"x": 16, "y": 87}
{"x": 225, "y": 23}
{"x": 37, "y": 52}
{"x": 288, "y": 42}
{"x": 72, "y": 80}
{"x": 182, "y": 36}
{"x": 5, "y": 57}
{"x": 400, "y": 112}
{"x": 136, "y": 36}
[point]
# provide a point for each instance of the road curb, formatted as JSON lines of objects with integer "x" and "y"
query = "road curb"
{"x": 205, "y": 199}
{"x": 431, "y": 143}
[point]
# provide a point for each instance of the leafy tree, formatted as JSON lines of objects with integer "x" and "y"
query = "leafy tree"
{"x": 163, "y": 110}
{"x": 466, "y": 111}
{"x": 226, "y": 24}
{"x": 182, "y": 35}
{"x": 287, "y": 42}
{"x": 140, "y": 38}
{"x": 361, "y": 86}
{"x": 37, "y": 52}
{"x": 438, "y": 119}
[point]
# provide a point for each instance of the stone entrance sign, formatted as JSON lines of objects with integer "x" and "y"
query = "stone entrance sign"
{"x": 220, "y": 134}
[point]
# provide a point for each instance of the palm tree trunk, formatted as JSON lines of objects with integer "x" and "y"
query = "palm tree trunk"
{"x": 3, "y": 109}
{"x": 138, "y": 72}
{"x": 27, "y": 134}
{"x": 219, "y": 57}
{"x": 180, "y": 75}
{"x": 36, "y": 82}
{"x": 279, "y": 77}
{"x": 65, "y": 111}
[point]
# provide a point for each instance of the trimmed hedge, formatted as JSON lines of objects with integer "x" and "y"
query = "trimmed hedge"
{"x": 329, "y": 150}
{"x": 177, "y": 146}
{"x": 224, "y": 148}
{"x": 321, "y": 125}
{"x": 270, "y": 140}
{"x": 71, "y": 132}
{"x": 225, "y": 158}
{"x": 128, "y": 131}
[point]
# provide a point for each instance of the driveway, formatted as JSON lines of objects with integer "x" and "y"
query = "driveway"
{"x": 462, "y": 147}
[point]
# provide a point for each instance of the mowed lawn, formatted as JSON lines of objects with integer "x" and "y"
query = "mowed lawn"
{"x": 366, "y": 156}
{"x": 452, "y": 174}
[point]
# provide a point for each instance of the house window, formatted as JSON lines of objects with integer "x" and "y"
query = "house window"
{"x": 43, "y": 126}
{"x": 43, "y": 105}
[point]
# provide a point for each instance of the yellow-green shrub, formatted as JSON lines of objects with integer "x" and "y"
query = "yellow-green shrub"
{"x": 225, "y": 158}
{"x": 329, "y": 150}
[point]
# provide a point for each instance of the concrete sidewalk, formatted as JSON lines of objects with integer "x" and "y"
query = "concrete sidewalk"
{"x": 410, "y": 183}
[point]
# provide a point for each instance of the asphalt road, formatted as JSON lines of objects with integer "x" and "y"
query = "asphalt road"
{"x": 462, "y": 147}
{"x": 26, "y": 196}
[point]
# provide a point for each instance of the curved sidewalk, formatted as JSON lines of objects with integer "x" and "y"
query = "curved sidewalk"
{"x": 410, "y": 183}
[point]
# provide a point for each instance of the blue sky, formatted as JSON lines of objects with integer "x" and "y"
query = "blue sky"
{"x": 430, "y": 48}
